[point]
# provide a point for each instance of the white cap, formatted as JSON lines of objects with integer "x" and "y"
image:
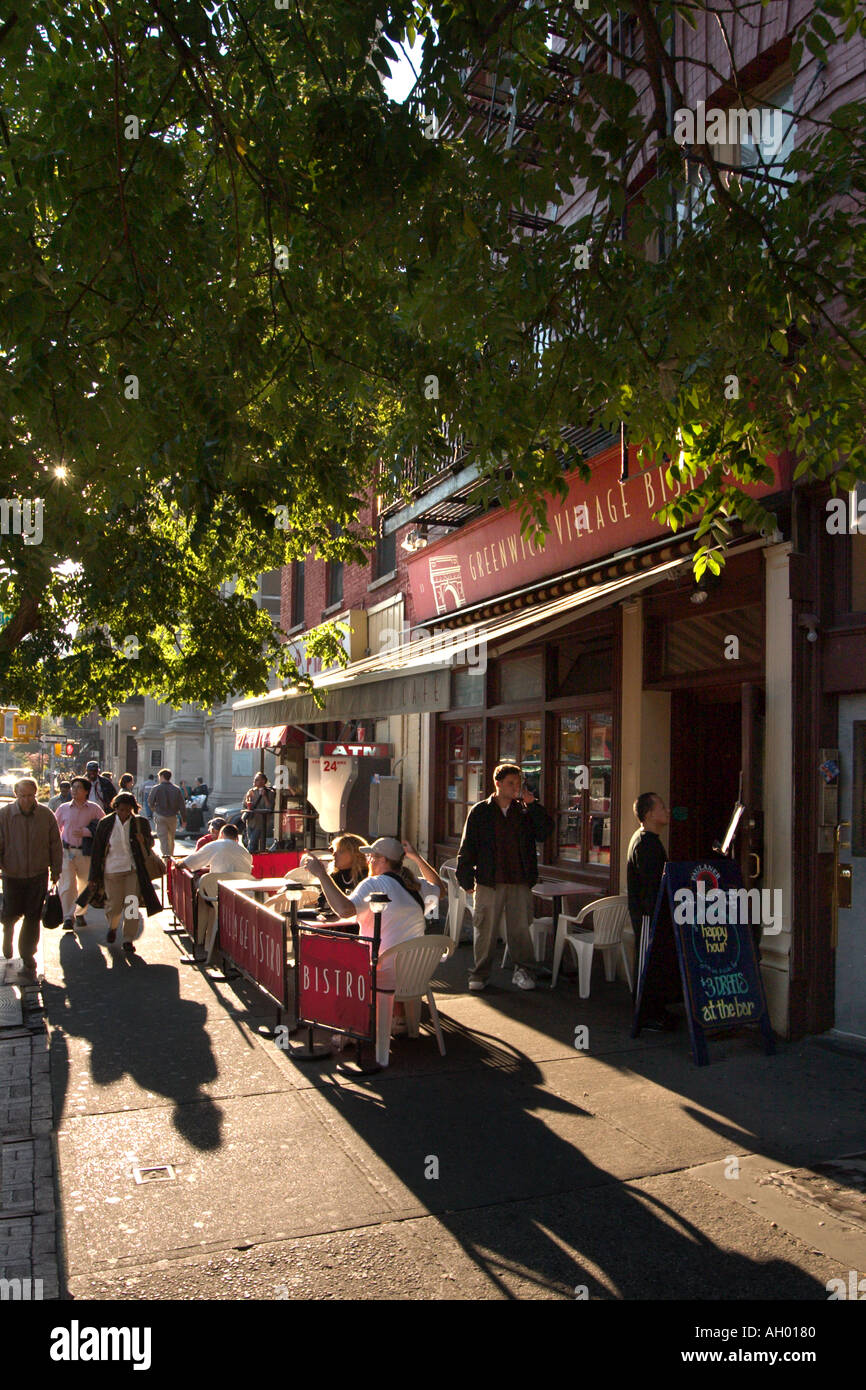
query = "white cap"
{"x": 387, "y": 845}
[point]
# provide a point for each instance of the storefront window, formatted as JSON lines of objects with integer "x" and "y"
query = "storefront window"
{"x": 519, "y": 742}
{"x": 600, "y": 772}
{"x": 583, "y": 784}
{"x": 569, "y": 819}
{"x": 465, "y": 772}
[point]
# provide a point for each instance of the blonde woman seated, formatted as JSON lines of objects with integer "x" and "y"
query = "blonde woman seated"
{"x": 404, "y": 913}
{"x": 348, "y": 869}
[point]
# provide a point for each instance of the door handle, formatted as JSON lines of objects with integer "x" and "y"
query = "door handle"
{"x": 757, "y": 859}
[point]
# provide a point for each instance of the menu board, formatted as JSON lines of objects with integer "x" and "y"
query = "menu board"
{"x": 712, "y": 917}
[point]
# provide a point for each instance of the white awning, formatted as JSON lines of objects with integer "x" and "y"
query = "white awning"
{"x": 430, "y": 655}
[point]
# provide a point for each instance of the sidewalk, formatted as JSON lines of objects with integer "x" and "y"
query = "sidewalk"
{"x": 28, "y": 1216}
{"x": 515, "y": 1167}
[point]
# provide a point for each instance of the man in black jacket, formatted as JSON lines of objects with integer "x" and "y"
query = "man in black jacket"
{"x": 645, "y": 865}
{"x": 497, "y": 857}
{"x": 102, "y": 789}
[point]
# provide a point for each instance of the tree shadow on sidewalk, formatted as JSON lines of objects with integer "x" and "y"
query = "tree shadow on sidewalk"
{"x": 138, "y": 1026}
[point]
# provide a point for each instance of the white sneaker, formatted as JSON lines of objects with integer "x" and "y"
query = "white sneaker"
{"x": 522, "y": 979}
{"x": 476, "y": 985}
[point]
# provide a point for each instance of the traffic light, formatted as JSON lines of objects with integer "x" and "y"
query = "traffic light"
{"x": 58, "y": 750}
{"x": 70, "y": 750}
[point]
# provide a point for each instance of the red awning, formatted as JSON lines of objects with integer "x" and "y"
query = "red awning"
{"x": 277, "y": 736}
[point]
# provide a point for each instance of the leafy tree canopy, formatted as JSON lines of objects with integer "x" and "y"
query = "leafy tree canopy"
{"x": 232, "y": 271}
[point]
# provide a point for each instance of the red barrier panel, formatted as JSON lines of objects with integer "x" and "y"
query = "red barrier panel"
{"x": 334, "y": 981}
{"x": 254, "y": 939}
{"x": 171, "y": 870}
{"x": 182, "y": 895}
{"x": 276, "y": 864}
{"x": 188, "y": 901}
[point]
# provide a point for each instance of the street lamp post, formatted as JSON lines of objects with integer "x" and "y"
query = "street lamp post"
{"x": 377, "y": 902}
{"x": 309, "y": 1052}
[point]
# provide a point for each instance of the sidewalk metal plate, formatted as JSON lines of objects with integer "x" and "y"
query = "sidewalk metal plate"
{"x": 10, "y": 1007}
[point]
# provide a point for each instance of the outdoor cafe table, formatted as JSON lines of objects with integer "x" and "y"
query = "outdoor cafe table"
{"x": 557, "y": 889}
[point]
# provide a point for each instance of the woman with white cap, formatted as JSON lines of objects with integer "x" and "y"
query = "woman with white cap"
{"x": 403, "y": 915}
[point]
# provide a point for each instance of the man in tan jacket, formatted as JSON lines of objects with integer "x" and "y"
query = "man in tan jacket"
{"x": 30, "y": 849}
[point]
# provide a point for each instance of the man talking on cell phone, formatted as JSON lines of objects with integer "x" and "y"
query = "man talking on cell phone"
{"x": 498, "y": 859}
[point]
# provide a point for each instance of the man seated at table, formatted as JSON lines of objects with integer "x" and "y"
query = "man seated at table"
{"x": 222, "y": 856}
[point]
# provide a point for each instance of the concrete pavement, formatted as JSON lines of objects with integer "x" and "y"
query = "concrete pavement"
{"x": 516, "y": 1167}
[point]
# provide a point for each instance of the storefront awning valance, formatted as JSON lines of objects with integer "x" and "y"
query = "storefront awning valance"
{"x": 415, "y": 678}
{"x": 269, "y": 736}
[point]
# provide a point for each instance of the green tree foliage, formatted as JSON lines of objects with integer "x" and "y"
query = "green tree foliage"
{"x": 239, "y": 285}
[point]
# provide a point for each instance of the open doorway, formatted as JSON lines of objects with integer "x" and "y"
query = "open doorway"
{"x": 706, "y": 758}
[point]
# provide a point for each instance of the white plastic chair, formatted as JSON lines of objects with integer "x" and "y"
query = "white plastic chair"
{"x": 459, "y": 902}
{"x": 415, "y": 962}
{"x": 208, "y": 886}
{"x": 609, "y": 916}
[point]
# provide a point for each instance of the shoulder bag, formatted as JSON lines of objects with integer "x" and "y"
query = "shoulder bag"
{"x": 154, "y": 867}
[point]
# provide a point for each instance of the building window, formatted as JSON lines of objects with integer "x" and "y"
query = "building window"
{"x": 386, "y": 554}
{"x": 270, "y": 585}
{"x": 335, "y": 582}
{"x": 518, "y": 741}
{"x": 297, "y": 592}
{"x": 584, "y": 772}
{"x": 464, "y": 772}
{"x": 761, "y": 135}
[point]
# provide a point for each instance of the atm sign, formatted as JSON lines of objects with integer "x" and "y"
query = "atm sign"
{"x": 355, "y": 750}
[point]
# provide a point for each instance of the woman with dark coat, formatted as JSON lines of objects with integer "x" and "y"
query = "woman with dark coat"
{"x": 118, "y": 871}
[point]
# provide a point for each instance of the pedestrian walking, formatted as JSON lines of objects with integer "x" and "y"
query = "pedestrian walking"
{"x": 127, "y": 783}
{"x": 64, "y": 794}
{"x": 102, "y": 790}
{"x": 498, "y": 859}
{"x": 147, "y": 787}
{"x": 118, "y": 870}
{"x": 258, "y": 805}
{"x": 646, "y": 860}
{"x": 77, "y": 820}
{"x": 30, "y": 852}
{"x": 167, "y": 802}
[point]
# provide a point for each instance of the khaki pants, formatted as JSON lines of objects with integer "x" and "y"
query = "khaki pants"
{"x": 165, "y": 828}
{"x": 514, "y": 900}
{"x": 118, "y": 889}
{"x": 73, "y": 880}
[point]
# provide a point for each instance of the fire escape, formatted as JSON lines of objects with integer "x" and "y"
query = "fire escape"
{"x": 437, "y": 491}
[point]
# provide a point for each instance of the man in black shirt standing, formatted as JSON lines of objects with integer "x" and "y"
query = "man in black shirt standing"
{"x": 646, "y": 861}
{"x": 498, "y": 860}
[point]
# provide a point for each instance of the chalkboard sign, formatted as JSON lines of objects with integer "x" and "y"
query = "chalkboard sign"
{"x": 711, "y": 916}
